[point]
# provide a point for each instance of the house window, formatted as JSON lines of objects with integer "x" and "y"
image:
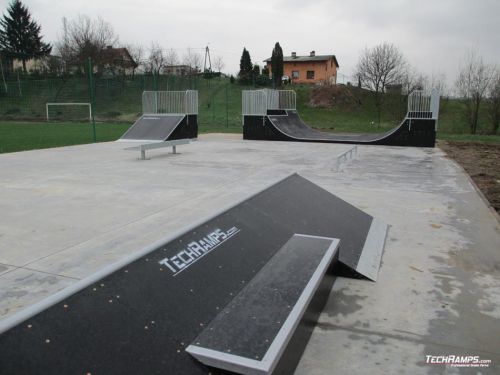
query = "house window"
{"x": 310, "y": 74}
{"x": 295, "y": 74}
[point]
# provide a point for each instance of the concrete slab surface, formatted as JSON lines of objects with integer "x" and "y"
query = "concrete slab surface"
{"x": 70, "y": 211}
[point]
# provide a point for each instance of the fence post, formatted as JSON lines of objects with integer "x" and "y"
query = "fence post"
{"x": 19, "y": 84}
{"x": 3, "y": 76}
{"x": 227, "y": 108}
{"x": 92, "y": 96}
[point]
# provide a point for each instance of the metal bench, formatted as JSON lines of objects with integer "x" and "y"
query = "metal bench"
{"x": 150, "y": 146}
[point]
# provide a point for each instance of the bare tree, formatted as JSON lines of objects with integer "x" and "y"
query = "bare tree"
{"x": 156, "y": 60}
{"x": 171, "y": 57}
{"x": 219, "y": 63}
{"x": 193, "y": 60}
{"x": 85, "y": 37}
{"x": 395, "y": 96}
{"x": 472, "y": 83}
{"x": 494, "y": 102}
{"x": 137, "y": 53}
{"x": 378, "y": 68}
{"x": 438, "y": 82}
{"x": 412, "y": 80}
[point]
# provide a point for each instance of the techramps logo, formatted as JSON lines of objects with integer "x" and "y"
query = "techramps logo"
{"x": 457, "y": 360}
{"x": 196, "y": 250}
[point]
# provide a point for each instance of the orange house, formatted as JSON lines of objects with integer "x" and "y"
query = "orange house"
{"x": 309, "y": 69}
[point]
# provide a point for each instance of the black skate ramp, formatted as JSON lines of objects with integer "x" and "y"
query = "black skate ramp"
{"x": 139, "y": 315}
{"x": 288, "y": 126}
{"x": 162, "y": 127}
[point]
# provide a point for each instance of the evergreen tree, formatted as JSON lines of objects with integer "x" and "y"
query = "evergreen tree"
{"x": 277, "y": 64}
{"x": 20, "y": 35}
{"x": 246, "y": 67}
{"x": 256, "y": 70}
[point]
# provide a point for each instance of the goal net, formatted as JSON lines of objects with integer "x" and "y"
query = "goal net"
{"x": 69, "y": 112}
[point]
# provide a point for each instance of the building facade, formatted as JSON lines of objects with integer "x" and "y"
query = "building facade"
{"x": 309, "y": 69}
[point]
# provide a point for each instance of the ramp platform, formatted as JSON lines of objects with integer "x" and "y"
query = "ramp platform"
{"x": 139, "y": 315}
{"x": 252, "y": 332}
{"x": 167, "y": 115}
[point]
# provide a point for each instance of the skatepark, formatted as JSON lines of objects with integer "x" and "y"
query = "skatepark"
{"x": 93, "y": 211}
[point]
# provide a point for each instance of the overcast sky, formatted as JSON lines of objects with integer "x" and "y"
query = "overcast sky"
{"x": 432, "y": 34}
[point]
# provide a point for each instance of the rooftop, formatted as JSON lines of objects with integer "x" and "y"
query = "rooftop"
{"x": 310, "y": 57}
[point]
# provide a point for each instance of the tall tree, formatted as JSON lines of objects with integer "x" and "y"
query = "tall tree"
{"x": 219, "y": 63}
{"x": 20, "y": 35}
{"x": 472, "y": 83}
{"x": 156, "y": 59}
{"x": 379, "y": 67}
{"x": 192, "y": 59}
{"x": 84, "y": 37}
{"x": 136, "y": 51}
{"x": 246, "y": 67}
{"x": 245, "y": 63}
{"x": 171, "y": 57}
{"x": 277, "y": 64}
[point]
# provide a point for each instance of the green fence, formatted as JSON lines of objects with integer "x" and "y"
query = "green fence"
{"x": 117, "y": 99}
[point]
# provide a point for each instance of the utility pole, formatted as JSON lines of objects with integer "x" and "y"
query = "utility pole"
{"x": 207, "y": 55}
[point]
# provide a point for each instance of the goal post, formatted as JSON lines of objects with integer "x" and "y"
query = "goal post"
{"x": 48, "y": 105}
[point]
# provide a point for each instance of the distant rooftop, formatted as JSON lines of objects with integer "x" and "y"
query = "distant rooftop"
{"x": 311, "y": 57}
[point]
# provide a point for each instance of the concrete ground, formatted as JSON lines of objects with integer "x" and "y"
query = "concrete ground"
{"x": 68, "y": 212}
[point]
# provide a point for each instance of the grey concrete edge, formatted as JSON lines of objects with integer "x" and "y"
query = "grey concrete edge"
{"x": 30, "y": 311}
{"x": 266, "y": 366}
{"x": 371, "y": 255}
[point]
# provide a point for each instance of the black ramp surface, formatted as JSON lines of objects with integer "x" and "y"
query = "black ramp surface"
{"x": 249, "y": 335}
{"x": 293, "y": 126}
{"x": 288, "y": 126}
{"x": 139, "y": 319}
{"x": 153, "y": 127}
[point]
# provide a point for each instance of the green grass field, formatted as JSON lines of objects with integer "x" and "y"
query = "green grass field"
{"x": 22, "y": 136}
{"x": 118, "y": 104}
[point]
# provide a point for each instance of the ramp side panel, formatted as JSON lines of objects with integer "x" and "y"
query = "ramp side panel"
{"x": 251, "y": 333}
{"x": 187, "y": 129}
{"x": 153, "y": 127}
{"x": 368, "y": 263}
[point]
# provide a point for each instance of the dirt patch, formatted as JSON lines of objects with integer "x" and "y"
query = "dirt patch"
{"x": 334, "y": 96}
{"x": 482, "y": 163}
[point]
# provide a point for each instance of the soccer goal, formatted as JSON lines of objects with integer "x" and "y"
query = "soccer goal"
{"x": 69, "y": 111}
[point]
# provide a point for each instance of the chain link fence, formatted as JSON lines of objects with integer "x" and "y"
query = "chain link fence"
{"x": 116, "y": 99}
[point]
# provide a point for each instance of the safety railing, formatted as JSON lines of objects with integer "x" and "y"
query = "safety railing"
{"x": 254, "y": 102}
{"x": 170, "y": 102}
{"x": 258, "y": 102}
{"x": 281, "y": 99}
{"x": 423, "y": 104}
